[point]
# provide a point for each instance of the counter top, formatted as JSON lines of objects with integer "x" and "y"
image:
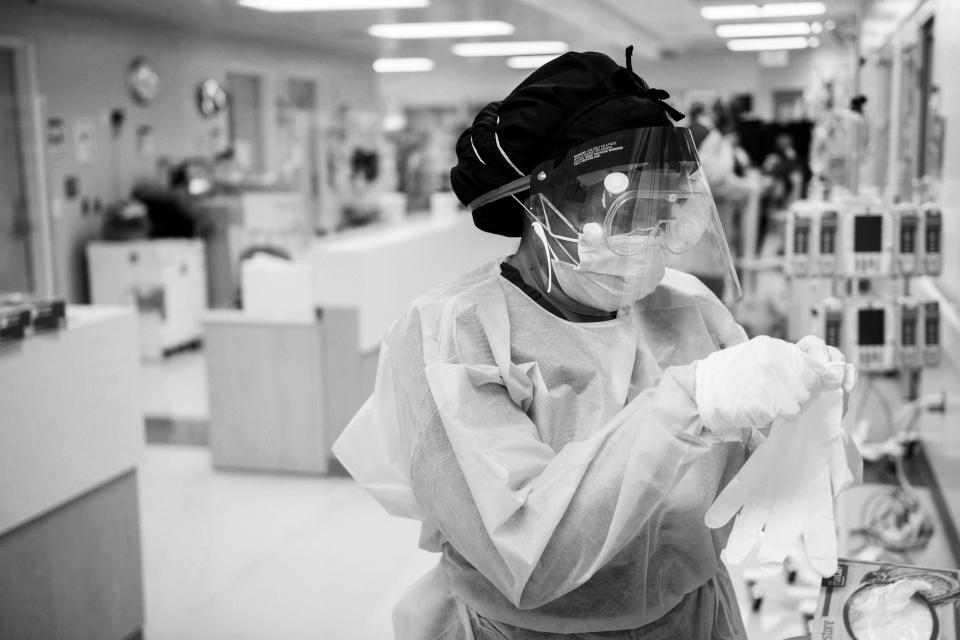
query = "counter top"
{"x": 382, "y": 234}
{"x": 69, "y": 411}
{"x": 380, "y": 270}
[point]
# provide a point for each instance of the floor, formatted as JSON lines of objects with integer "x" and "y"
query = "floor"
{"x": 254, "y": 556}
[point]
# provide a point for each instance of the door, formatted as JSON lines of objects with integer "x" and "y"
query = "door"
{"x": 246, "y": 120}
{"x": 788, "y": 106}
{"x": 16, "y": 273}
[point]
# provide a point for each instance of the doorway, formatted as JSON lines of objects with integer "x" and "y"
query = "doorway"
{"x": 788, "y": 106}
{"x": 16, "y": 265}
{"x": 246, "y": 120}
{"x": 25, "y": 250}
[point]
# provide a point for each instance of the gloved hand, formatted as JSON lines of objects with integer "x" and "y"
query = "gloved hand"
{"x": 784, "y": 492}
{"x": 847, "y": 374}
{"x": 753, "y": 383}
{"x": 777, "y": 503}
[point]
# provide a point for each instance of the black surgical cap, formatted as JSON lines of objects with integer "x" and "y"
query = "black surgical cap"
{"x": 573, "y": 98}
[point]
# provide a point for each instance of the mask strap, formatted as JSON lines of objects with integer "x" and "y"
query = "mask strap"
{"x": 562, "y": 217}
{"x": 575, "y": 241}
{"x": 538, "y": 231}
{"x": 541, "y": 234}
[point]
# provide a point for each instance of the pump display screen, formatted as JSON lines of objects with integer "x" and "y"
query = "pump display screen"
{"x": 871, "y": 327}
{"x": 832, "y": 333}
{"x": 931, "y": 324}
{"x": 908, "y": 235}
{"x": 908, "y": 326}
{"x": 801, "y": 236}
{"x": 933, "y": 234}
{"x": 828, "y": 232}
{"x": 867, "y": 233}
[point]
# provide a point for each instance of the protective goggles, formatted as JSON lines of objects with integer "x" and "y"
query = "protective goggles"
{"x": 630, "y": 202}
{"x": 634, "y": 183}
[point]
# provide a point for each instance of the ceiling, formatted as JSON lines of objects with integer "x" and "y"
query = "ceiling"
{"x": 654, "y": 27}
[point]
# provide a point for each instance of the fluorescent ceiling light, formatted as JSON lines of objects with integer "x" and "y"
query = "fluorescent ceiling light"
{"x": 467, "y": 29}
{"x": 541, "y": 47}
{"x": 400, "y": 65}
{"x": 763, "y": 29}
{"x": 755, "y": 11}
{"x": 764, "y": 44}
{"x": 528, "y": 62}
{"x": 283, "y": 6}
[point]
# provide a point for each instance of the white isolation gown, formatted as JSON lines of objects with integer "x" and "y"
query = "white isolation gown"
{"x": 561, "y": 468}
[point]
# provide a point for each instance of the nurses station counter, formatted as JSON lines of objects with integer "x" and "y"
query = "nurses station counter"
{"x": 71, "y": 435}
{"x": 327, "y": 315}
{"x": 379, "y": 271}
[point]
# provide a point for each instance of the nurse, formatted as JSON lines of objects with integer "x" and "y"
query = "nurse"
{"x": 558, "y": 420}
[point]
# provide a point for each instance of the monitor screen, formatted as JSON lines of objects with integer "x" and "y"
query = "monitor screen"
{"x": 871, "y": 327}
{"x": 908, "y": 235}
{"x": 867, "y": 233}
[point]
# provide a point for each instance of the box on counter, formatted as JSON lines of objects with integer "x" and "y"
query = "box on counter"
{"x": 41, "y": 314}
{"x": 13, "y": 324}
{"x": 874, "y": 601}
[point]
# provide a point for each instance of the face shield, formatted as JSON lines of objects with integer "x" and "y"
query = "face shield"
{"x": 623, "y": 213}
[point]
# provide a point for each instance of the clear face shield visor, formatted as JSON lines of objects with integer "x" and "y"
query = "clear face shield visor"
{"x": 632, "y": 204}
{"x": 629, "y": 203}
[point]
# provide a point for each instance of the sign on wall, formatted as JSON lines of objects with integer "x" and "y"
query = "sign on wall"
{"x": 84, "y": 140}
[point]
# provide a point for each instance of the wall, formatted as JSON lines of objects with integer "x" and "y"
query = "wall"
{"x": 722, "y": 71}
{"x": 942, "y": 434}
{"x": 946, "y": 55}
{"x": 80, "y": 65}
{"x": 729, "y": 72}
{"x": 938, "y": 431}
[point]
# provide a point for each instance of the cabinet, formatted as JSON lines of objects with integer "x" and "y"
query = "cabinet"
{"x": 281, "y": 391}
{"x": 165, "y": 279}
{"x": 71, "y": 437}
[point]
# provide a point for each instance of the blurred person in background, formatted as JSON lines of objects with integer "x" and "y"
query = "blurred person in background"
{"x": 701, "y": 123}
{"x": 724, "y": 164}
{"x": 783, "y": 181}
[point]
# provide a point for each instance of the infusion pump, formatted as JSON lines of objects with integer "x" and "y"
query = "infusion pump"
{"x": 907, "y": 239}
{"x": 871, "y": 334}
{"x": 867, "y": 239}
{"x": 933, "y": 240}
{"x": 881, "y": 334}
{"x": 811, "y": 243}
{"x": 862, "y": 238}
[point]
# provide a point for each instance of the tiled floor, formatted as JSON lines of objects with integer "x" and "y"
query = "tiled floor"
{"x": 175, "y": 387}
{"x": 239, "y": 556}
{"x": 253, "y": 556}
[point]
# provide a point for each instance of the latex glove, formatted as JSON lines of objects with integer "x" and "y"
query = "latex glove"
{"x": 785, "y": 491}
{"x": 846, "y": 464}
{"x": 754, "y": 383}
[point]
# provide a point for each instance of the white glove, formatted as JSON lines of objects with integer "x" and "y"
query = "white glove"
{"x": 755, "y": 382}
{"x": 785, "y": 490}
